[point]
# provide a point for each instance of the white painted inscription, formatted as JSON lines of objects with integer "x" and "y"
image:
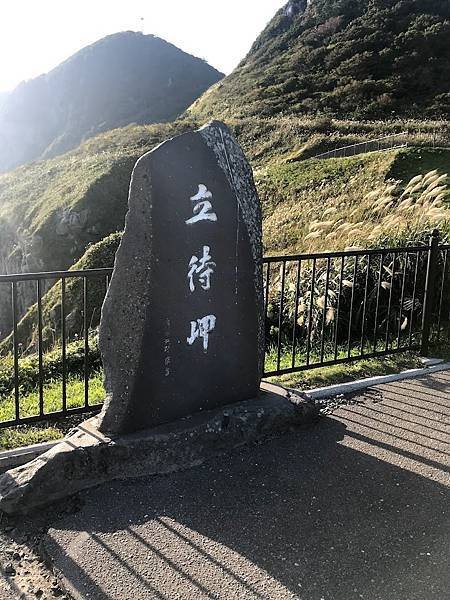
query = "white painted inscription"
{"x": 201, "y": 328}
{"x": 202, "y": 194}
{"x": 201, "y": 269}
{"x": 203, "y": 209}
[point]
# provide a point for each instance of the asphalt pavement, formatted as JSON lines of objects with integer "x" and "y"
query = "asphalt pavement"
{"x": 355, "y": 507}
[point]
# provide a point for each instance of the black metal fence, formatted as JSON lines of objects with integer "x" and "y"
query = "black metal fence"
{"x": 320, "y": 310}
{"x": 49, "y": 344}
{"x": 331, "y": 308}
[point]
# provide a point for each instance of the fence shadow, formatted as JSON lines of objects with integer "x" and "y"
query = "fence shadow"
{"x": 330, "y": 513}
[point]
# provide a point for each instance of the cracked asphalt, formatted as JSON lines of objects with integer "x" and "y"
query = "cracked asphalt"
{"x": 355, "y": 507}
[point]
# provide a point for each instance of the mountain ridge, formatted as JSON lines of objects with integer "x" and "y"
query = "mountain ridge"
{"x": 362, "y": 59}
{"x": 123, "y": 78}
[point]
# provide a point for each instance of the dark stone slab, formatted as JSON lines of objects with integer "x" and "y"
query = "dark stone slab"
{"x": 182, "y": 324}
{"x": 87, "y": 457}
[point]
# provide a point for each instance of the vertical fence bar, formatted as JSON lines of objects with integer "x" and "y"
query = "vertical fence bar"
{"x": 448, "y": 322}
{"x": 338, "y": 309}
{"x": 413, "y": 300}
{"x": 280, "y": 316}
{"x": 324, "y": 314}
{"x": 366, "y": 291}
{"x": 377, "y": 306}
{"x": 86, "y": 344}
{"x": 388, "y": 317}
{"x": 15, "y": 351}
{"x": 350, "y": 319}
{"x": 402, "y": 300}
{"x": 63, "y": 342}
{"x": 294, "y": 326}
{"x": 40, "y": 358}
{"x": 441, "y": 295}
{"x": 311, "y": 309}
{"x": 433, "y": 253}
{"x": 266, "y": 309}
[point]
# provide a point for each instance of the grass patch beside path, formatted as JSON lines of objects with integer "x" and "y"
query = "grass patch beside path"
{"x": 25, "y": 435}
{"x": 344, "y": 373}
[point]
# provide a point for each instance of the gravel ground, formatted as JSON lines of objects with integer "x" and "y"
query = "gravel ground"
{"x": 24, "y": 572}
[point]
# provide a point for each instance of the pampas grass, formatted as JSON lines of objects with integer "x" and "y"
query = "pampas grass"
{"x": 390, "y": 212}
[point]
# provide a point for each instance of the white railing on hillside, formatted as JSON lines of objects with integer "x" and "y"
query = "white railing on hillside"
{"x": 388, "y": 142}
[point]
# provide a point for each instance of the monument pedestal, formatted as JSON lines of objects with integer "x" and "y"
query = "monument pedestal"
{"x": 87, "y": 458}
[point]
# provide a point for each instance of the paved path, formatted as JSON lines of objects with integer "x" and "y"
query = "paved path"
{"x": 355, "y": 507}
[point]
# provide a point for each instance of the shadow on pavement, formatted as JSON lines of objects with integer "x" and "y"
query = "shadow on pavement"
{"x": 336, "y": 512}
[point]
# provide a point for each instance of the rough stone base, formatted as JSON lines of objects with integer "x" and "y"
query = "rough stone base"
{"x": 87, "y": 458}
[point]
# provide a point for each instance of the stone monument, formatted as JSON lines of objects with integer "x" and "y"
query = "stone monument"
{"x": 182, "y": 326}
{"x": 182, "y": 330}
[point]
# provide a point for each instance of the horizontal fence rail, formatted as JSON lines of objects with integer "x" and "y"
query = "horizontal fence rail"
{"x": 388, "y": 142}
{"x": 320, "y": 310}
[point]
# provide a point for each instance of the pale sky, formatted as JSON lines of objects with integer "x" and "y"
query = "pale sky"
{"x": 36, "y": 35}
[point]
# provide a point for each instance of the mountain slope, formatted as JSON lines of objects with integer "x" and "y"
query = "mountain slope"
{"x": 294, "y": 198}
{"x": 353, "y": 58}
{"x": 50, "y": 211}
{"x": 340, "y": 196}
{"x": 124, "y": 78}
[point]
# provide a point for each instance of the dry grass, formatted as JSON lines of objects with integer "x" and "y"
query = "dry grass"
{"x": 389, "y": 212}
{"x": 367, "y": 200}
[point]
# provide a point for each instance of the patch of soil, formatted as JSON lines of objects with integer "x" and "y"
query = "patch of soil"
{"x": 21, "y": 553}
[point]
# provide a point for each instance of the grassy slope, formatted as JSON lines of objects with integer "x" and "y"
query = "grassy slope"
{"x": 296, "y": 194}
{"x": 93, "y": 178}
{"x": 293, "y": 195}
{"x": 98, "y": 255}
{"x": 365, "y": 58}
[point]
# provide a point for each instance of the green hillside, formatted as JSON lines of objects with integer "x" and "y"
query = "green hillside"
{"x": 318, "y": 205}
{"x": 363, "y": 59}
{"x": 97, "y": 255}
{"x": 311, "y": 205}
{"x": 52, "y": 210}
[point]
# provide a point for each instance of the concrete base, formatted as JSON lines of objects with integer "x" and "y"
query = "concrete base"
{"x": 10, "y": 459}
{"x": 87, "y": 458}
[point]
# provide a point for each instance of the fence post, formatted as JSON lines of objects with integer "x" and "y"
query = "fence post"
{"x": 428, "y": 305}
